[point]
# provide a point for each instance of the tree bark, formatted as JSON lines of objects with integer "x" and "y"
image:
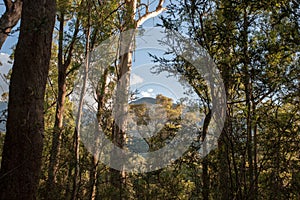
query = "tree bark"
{"x": 125, "y": 62}
{"x": 23, "y": 146}
{"x": 118, "y": 177}
{"x": 10, "y": 18}
{"x": 58, "y": 124}
{"x": 62, "y": 66}
{"x": 93, "y": 174}
{"x": 79, "y": 113}
{"x": 248, "y": 93}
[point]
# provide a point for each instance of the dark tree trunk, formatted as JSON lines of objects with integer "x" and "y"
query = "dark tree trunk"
{"x": 59, "y": 114}
{"x": 22, "y": 151}
{"x": 62, "y": 65}
{"x": 10, "y": 18}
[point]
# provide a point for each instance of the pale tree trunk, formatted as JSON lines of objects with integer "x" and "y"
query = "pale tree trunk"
{"x": 23, "y": 146}
{"x": 119, "y": 134}
{"x": 10, "y": 18}
{"x": 95, "y": 151}
{"x": 125, "y": 62}
{"x": 79, "y": 113}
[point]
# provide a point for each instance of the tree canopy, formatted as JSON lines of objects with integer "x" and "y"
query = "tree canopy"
{"x": 254, "y": 45}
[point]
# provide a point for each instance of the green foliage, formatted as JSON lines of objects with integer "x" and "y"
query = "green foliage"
{"x": 255, "y": 45}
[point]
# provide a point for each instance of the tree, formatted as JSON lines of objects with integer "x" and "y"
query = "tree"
{"x": 129, "y": 23}
{"x": 252, "y": 49}
{"x": 255, "y": 46}
{"x": 63, "y": 62}
{"x": 22, "y": 151}
{"x": 10, "y": 18}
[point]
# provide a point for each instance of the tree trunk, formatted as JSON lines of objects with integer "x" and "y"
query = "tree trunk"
{"x": 255, "y": 158}
{"x": 62, "y": 66}
{"x": 10, "y": 18}
{"x": 205, "y": 175}
{"x": 248, "y": 92}
{"x": 223, "y": 172}
{"x": 118, "y": 178}
{"x": 79, "y": 113}
{"x": 93, "y": 179}
{"x": 205, "y": 179}
{"x": 93, "y": 174}
{"x": 58, "y": 124}
{"x": 22, "y": 152}
{"x": 119, "y": 134}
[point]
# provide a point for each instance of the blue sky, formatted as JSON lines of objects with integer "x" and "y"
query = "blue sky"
{"x": 4, "y": 55}
{"x": 12, "y": 39}
{"x": 148, "y": 84}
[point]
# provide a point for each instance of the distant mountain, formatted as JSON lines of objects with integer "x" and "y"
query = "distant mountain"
{"x": 147, "y": 100}
{"x": 144, "y": 100}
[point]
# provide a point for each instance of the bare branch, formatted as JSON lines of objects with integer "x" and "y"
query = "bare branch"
{"x": 145, "y": 6}
{"x": 69, "y": 53}
{"x": 10, "y": 18}
{"x": 159, "y": 9}
{"x": 8, "y": 4}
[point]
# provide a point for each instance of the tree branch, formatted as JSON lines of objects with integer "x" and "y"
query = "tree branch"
{"x": 159, "y": 9}
{"x": 69, "y": 53}
{"x": 8, "y": 4}
{"x": 10, "y": 18}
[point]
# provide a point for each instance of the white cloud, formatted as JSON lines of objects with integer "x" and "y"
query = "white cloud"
{"x": 150, "y": 90}
{"x": 135, "y": 79}
{"x": 145, "y": 94}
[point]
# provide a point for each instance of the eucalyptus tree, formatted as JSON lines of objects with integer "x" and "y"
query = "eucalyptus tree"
{"x": 97, "y": 23}
{"x": 252, "y": 51}
{"x": 64, "y": 59}
{"x": 134, "y": 13}
{"x": 23, "y": 146}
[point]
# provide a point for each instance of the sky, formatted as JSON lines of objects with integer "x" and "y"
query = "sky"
{"x": 12, "y": 39}
{"x": 5, "y": 65}
{"x": 148, "y": 84}
{"x": 4, "y": 68}
{"x": 5, "y": 51}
